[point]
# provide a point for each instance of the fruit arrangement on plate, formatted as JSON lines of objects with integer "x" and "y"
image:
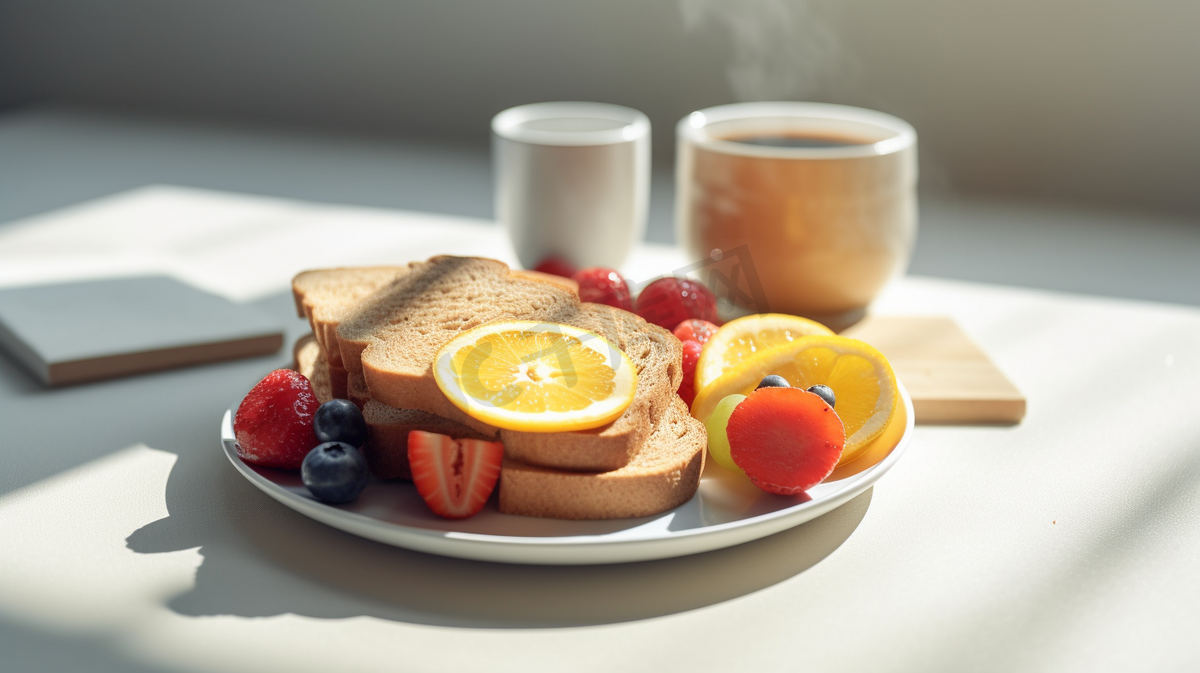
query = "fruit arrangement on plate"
{"x": 753, "y": 425}
{"x": 569, "y": 398}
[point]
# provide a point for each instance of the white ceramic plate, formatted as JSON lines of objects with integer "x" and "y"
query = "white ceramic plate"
{"x": 726, "y": 511}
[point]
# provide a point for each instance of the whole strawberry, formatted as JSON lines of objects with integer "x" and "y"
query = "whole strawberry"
{"x": 604, "y": 286}
{"x": 557, "y": 266}
{"x": 274, "y": 423}
{"x": 669, "y": 301}
{"x": 691, "y": 355}
{"x": 695, "y": 330}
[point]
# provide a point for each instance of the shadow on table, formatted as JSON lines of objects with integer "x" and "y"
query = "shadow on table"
{"x": 268, "y": 560}
{"x": 261, "y": 559}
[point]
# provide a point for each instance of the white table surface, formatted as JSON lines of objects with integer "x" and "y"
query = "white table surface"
{"x": 1069, "y": 542}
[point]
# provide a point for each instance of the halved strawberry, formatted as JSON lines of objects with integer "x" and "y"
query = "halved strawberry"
{"x": 453, "y": 476}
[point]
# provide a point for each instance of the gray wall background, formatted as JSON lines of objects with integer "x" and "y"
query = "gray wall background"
{"x": 1087, "y": 101}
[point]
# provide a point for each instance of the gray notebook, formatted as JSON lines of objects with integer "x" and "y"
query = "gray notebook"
{"x": 84, "y": 331}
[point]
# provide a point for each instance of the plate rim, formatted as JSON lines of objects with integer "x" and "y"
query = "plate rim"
{"x": 570, "y": 549}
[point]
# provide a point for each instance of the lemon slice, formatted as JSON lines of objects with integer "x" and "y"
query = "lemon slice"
{"x": 861, "y": 378}
{"x": 535, "y": 376}
{"x": 747, "y": 336}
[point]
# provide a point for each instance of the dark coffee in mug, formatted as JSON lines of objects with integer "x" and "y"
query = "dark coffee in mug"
{"x": 797, "y": 140}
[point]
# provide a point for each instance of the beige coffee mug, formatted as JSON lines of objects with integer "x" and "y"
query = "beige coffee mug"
{"x": 823, "y": 197}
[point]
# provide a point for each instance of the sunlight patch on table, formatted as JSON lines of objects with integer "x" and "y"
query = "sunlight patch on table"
{"x": 71, "y": 569}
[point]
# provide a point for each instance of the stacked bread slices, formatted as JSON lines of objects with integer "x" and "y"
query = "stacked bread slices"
{"x": 376, "y": 332}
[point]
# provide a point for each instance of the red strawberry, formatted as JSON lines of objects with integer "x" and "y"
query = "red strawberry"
{"x": 556, "y": 265}
{"x": 669, "y": 301}
{"x": 786, "y": 439}
{"x": 691, "y": 354}
{"x": 273, "y": 424}
{"x": 604, "y": 286}
{"x": 453, "y": 476}
{"x": 696, "y": 330}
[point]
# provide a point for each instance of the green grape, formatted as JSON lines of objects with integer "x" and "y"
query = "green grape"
{"x": 718, "y": 441}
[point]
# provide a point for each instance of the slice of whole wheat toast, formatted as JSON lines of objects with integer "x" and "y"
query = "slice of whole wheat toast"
{"x": 665, "y": 473}
{"x": 310, "y": 361}
{"x": 356, "y": 390}
{"x": 339, "y": 381}
{"x": 325, "y": 296}
{"x": 395, "y": 332}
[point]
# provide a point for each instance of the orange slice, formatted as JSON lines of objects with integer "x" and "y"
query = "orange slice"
{"x": 860, "y": 376}
{"x": 875, "y": 450}
{"x": 747, "y": 336}
{"x": 535, "y": 376}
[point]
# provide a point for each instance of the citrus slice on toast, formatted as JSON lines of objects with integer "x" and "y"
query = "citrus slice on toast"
{"x": 860, "y": 376}
{"x": 750, "y": 335}
{"x": 535, "y": 376}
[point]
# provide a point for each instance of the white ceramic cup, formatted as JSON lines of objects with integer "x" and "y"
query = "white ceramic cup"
{"x": 572, "y": 180}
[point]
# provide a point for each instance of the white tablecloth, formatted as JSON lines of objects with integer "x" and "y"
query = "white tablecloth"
{"x": 1069, "y": 542}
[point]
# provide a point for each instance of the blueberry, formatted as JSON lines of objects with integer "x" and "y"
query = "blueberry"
{"x": 334, "y": 472}
{"x": 826, "y": 394}
{"x": 340, "y": 421}
{"x": 773, "y": 381}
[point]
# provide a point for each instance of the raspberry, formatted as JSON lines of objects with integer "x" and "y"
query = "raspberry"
{"x": 691, "y": 355}
{"x": 274, "y": 423}
{"x": 604, "y": 286}
{"x": 696, "y": 330}
{"x": 557, "y": 266}
{"x": 786, "y": 439}
{"x": 669, "y": 301}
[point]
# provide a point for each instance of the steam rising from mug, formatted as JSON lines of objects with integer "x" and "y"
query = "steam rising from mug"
{"x": 782, "y": 49}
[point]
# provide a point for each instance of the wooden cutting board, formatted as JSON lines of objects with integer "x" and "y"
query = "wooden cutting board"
{"x": 950, "y": 378}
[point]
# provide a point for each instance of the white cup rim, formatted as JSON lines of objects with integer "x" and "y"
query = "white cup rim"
{"x": 895, "y": 134}
{"x": 509, "y": 124}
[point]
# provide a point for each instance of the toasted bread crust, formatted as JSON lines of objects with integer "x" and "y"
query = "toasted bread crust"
{"x": 663, "y": 475}
{"x": 309, "y": 361}
{"x": 326, "y": 296}
{"x": 339, "y": 383}
{"x": 356, "y": 390}
{"x": 396, "y": 331}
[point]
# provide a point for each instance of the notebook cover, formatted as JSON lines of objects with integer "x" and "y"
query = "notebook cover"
{"x": 83, "y": 331}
